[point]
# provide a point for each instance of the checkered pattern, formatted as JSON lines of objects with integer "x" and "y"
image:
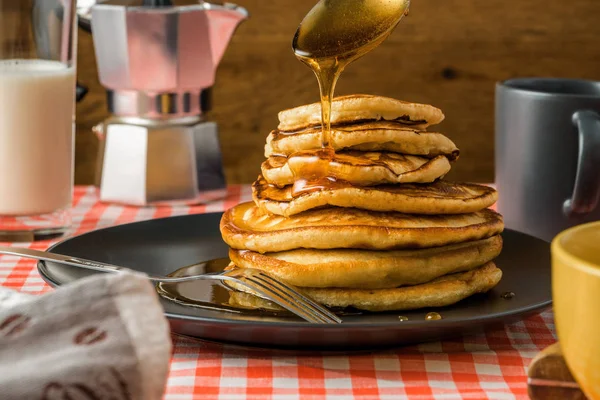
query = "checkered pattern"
{"x": 491, "y": 364}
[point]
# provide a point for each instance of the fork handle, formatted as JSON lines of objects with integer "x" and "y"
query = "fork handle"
{"x": 258, "y": 286}
{"x": 62, "y": 259}
{"x": 98, "y": 266}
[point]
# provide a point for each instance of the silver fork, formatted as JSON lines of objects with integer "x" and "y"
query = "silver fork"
{"x": 283, "y": 294}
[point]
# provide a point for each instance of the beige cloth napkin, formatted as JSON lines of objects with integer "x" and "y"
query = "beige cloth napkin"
{"x": 103, "y": 337}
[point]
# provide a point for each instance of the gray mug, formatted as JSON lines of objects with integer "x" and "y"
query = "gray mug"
{"x": 548, "y": 154}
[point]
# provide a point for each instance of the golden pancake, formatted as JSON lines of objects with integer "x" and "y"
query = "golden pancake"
{"x": 440, "y": 197}
{"x": 359, "y": 168}
{"x": 443, "y": 291}
{"x": 374, "y": 136}
{"x": 368, "y": 269}
{"x": 361, "y": 108}
{"x": 246, "y": 227}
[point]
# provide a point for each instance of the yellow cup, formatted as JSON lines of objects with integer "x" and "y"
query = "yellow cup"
{"x": 576, "y": 297}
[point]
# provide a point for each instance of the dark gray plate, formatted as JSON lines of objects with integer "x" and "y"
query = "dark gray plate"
{"x": 161, "y": 246}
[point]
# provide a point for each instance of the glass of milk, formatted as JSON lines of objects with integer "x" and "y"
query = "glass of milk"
{"x": 37, "y": 104}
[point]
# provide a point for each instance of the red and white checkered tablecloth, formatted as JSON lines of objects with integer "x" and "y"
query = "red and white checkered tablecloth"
{"x": 488, "y": 365}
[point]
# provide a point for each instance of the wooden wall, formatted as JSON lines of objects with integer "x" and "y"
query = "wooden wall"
{"x": 448, "y": 53}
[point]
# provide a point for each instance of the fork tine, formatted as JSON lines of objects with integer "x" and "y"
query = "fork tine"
{"x": 299, "y": 293}
{"x": 297, "y": 296}
{"x": 285, "y": 292}
{"x": 304, "y": 297}
{"x": 307, "y": 308}
{"x": 294, "y": 295}
{"x": 270, "y": 293}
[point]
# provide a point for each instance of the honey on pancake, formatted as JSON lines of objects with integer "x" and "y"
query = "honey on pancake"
{"x": 314, "y": 173}
{"x": 331, "y": 36}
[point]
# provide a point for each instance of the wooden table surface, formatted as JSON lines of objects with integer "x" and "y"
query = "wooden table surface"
{"x": 448, "y": 53}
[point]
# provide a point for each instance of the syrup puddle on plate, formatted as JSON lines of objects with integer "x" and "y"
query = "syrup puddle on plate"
{"x": 433, "y": 316}
{"x": 213, "y": 295}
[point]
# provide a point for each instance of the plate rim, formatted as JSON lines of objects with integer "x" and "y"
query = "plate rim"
{"x": 482, "y": 320}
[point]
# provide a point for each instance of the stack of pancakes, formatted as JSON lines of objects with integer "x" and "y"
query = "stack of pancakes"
{"x": 388, "y": 233}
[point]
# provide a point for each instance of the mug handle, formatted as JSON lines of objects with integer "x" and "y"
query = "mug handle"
{"x": 586, "y": 193}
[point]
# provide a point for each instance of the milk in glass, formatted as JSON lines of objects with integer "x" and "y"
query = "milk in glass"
{"x": 36, "y": 136}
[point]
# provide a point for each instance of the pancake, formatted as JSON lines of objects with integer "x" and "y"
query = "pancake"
{"x": 360, "y": 108}
{"x": 246, "y": 227}
{"x": 359, "y": 168}
{"x": 443, "y": 291}
{"x": 367, "y": 269}
{"x": 374, "y": 136}
{"x": 440, "y": 197}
